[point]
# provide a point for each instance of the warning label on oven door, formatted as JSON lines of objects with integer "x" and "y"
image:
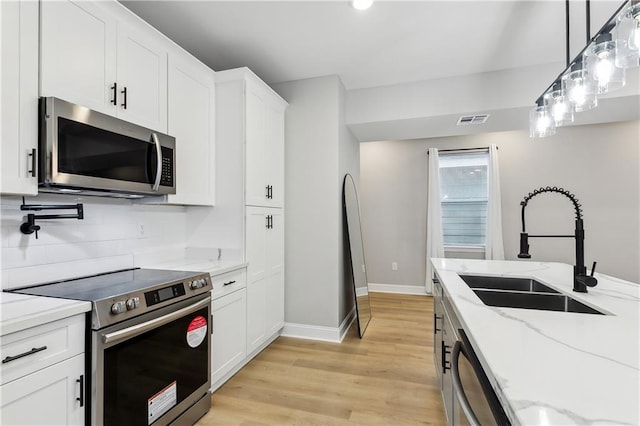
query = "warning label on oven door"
{"x": 197, "y": 331}
{"x": 162, "y": 402}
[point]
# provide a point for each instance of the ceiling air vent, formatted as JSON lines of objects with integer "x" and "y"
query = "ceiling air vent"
{"x": 472, "y": 119}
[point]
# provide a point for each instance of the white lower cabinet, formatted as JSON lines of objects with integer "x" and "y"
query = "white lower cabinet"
{"x": 50, "y": 396}
{"x": 42, "y": 374}
{"x": 228, "y": 339}
{"x": 265, "y": 274}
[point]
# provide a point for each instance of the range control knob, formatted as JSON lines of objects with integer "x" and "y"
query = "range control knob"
{"x": 133, "y": 303}
{"x": 118, "y": 307}
{"x": 196, "y": 284}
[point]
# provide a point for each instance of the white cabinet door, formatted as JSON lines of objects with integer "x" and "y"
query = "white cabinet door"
{"x": 274, "y": 153}
{"x": 46, "y": 397}
{"x": 265, "y": 274}
{"x": 19, "y": 93}
{"x": 264, "y": 147}
{"x": 142, "y": 78}
{"x": 78, "y": 53}
{"x": 192, "y": 123}
{"x": 256, "y": 313}
{"x": 228, "y": 339}
{"x": 256, "y": 240}
{"x": 256, "y": 180}
{"x": 275, "y": 270}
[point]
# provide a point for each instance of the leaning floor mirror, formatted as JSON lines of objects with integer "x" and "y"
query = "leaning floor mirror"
{"x": 356, "y": 253}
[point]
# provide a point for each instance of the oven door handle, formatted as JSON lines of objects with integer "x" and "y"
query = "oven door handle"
{"x": 154, "y": 323}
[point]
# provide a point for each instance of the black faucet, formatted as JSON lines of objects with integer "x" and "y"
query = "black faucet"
{"x": 580, "y": 278}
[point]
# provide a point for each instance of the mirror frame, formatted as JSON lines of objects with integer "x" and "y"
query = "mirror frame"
{"x": 352, "y": 214}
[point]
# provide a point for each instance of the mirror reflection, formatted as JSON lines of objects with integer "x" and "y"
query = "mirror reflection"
{"x": 356, "y": 254}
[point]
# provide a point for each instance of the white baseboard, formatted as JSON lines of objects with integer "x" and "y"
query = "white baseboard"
{"x": 317, "y": 332}
{"x": 395, "y": 288}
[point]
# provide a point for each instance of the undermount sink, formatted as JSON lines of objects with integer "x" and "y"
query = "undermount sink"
{"x": 524, "y": 293}
{"x": 539, "y": 301}
{"x": 506, "y": 283}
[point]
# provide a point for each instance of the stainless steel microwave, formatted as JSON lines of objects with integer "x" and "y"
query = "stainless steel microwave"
{"x": 85, "y": 151}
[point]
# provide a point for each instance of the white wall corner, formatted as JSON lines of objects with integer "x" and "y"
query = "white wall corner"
{"x": 317, "y": 332}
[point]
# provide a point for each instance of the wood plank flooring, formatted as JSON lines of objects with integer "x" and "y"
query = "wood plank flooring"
{"x": 387, "y": 378}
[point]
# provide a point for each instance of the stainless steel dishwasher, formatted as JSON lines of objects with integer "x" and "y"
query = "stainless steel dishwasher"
{"x": 475, "y": 401}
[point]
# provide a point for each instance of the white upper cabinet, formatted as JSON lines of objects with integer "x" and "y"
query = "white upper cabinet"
{"x": 78, "y": 53}
{"x": 264, "y": 146}
{"x": 91, "y": 57}
{"x": 261, "y": 128}
{"x": 19, "y": 93}
{"x": 192, "y": 123}
{"x": 142, "y": 78}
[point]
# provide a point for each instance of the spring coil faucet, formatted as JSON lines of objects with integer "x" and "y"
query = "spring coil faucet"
{"x": 580, "y": 278}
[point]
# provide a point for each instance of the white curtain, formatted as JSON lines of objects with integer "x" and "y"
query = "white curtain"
{"x": 495, "y": 246}
{"x": 435, "y": 246}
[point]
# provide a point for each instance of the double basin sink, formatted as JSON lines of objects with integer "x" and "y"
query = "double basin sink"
{"x": 523, "y": 293}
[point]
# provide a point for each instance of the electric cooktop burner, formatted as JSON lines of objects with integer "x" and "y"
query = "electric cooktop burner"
{"x": 120, "y": 295}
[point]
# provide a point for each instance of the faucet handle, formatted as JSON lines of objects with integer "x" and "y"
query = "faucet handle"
{"x": 593, "y": 268}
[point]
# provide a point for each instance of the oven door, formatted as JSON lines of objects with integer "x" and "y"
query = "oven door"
{"x": 152, "y": 368}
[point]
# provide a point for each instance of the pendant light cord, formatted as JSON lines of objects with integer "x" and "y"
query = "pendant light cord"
{"x": 566, "y": 14}
{"x": 588, "y": 19}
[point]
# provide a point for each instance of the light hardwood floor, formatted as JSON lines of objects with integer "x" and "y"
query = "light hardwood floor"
{"x": 387, "y": 378}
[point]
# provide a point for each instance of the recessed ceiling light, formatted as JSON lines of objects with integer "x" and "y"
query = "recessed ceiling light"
{"x": 361, "y": 4}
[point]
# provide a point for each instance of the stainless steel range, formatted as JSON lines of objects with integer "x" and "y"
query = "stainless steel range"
{"x": 150, "y": 351}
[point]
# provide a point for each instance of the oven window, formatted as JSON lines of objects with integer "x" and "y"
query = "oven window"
{"x": 88, "y": 151}
{"x": 162, "y": 367}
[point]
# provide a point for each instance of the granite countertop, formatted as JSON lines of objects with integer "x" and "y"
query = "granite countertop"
{"x": 20, "y": 311}
{"x": 554, "y": 368}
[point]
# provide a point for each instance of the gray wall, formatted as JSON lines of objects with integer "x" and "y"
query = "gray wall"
{"x": 315, "y": 158}
{"x": 600, "y": 164}
{"x": 348, "y": 162}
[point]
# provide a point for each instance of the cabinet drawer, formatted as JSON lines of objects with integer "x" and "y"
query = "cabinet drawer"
{"x": 228, "y": 283}
{"x": 41, "y": 346}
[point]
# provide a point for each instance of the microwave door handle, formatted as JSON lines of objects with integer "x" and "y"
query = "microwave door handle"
{"x": 457, "y": 386}
{"x": 156, "y": 184}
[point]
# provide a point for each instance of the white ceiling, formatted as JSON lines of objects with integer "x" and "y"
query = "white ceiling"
{"x": 391, "y": 43}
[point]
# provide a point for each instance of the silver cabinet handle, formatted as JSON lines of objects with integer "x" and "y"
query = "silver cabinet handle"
{"x": 157, "y": 322}
{"x": 457, "y": 386}
{"x": 155, "y": 140}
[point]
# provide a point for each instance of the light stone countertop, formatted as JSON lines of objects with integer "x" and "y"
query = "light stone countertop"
{"x": 554, "y": 368}
{"x": 21, "y": 311}
{"x": 198, "y": 264}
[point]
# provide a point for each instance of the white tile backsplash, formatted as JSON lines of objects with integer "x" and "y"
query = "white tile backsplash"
{"x": 112, "y": 231}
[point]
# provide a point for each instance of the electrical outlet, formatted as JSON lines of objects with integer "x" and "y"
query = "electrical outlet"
{"x": 394, "y": 266}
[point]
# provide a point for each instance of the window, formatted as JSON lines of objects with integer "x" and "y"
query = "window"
{"x": 463, "y": 192}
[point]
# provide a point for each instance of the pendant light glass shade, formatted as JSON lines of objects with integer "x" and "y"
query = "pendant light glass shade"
{"x": 580, "y": 90}
{"x": 541, "y": 122}
{"x": 628, "y": 37}
{"x": 601, "y": 65}
{"x": 558, "y": 106}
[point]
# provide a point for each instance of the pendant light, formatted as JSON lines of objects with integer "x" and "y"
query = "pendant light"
{"x": 628, "y": 36}
{"x": 601, "y": 64}
{"x": 580, "y": 88}
{"x": 558, "y": 104}
{"x": 541, "y": 123}
{"x": 599, "y": 68}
